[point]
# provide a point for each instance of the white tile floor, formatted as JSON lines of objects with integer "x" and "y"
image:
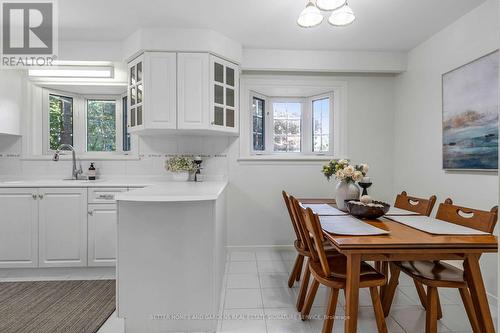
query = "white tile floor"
{"x": 258, "y": 300}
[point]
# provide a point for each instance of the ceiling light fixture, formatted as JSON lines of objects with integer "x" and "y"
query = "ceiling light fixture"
{"x": 342, "y": 16}
{"x": 328, "y": 5}
{"x": 310, "y": 16}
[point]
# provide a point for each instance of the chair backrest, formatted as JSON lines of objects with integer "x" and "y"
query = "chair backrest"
{"x": 414, "y": 204}
{"x": 314, "y": 237}
{"x": 468, "y": 217}
{"x": 291, "y": 213}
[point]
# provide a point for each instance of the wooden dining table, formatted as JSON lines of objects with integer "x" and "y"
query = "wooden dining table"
{"x": 404, "y": 243}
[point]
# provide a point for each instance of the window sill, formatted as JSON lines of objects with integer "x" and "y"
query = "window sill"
{"x": 84, "y": 157}
{"x": 285, "y": 158}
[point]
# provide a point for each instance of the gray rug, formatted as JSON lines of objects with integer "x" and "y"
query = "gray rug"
{"x": 55, "y": 306}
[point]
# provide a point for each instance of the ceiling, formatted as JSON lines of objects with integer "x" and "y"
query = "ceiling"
{"x": 381, "y": 25}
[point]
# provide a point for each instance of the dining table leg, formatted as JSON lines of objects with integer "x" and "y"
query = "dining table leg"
{"x": 478, "y": 293}
{"x": 352, "y": 292}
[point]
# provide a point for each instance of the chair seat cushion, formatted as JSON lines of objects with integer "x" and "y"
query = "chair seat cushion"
{"x": 432, "y": 271}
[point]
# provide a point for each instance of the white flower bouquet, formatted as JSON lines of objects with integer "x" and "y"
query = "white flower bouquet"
{"x": 180, "y": 164}
{"x": 342, "y": 170}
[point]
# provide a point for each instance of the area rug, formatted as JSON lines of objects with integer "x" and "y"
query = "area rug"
{"x": 55, "y": 306}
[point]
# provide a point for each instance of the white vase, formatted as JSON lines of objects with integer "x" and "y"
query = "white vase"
{"x": 346, "y": 191}
{"x": 181, "y": 176}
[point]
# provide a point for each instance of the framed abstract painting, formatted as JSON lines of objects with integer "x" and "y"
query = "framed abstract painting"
{"x": 470, "y": 115}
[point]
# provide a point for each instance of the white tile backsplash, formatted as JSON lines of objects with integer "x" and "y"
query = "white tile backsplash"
{"x": 153, "y": 151}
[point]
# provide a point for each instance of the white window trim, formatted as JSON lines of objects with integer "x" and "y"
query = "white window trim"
{"x": 39, "y": 148}
{"x": 258, "y": 85}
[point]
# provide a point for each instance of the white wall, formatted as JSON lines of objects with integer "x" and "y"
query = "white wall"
{"x": 418, "y": 118}
{"x": 10, "y": 101}
{"x": 257, "y": 215}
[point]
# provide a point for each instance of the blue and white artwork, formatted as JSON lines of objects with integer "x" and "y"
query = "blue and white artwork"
{"x": 470, "y": 115}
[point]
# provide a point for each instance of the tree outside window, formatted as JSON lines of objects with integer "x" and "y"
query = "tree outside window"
{"x": 60, "y": 121}
{"x": 101, "y": 125}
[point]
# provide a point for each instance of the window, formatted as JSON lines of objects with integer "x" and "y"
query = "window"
{"x": 287, "y": 119}
{"x": 321, "y": 124}
{"x": 125, "y": 133}
{"x": 92, "y": 124}
{"x": 258, "y": 120}
{"x": 60, "y": 120}
{"x": 292, "y": 125}
{"x": 101, "y": 125}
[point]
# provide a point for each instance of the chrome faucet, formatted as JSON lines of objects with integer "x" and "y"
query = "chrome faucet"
{"x": 65, "y": 146}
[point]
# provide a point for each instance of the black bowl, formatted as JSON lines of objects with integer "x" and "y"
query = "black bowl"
{"x": 367, "y": 212}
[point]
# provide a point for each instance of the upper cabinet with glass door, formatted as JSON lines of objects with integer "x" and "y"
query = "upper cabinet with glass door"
{"x": 152, "y": 92}
{"x": 224, "y": 86}
{"x": 194, "y": 92}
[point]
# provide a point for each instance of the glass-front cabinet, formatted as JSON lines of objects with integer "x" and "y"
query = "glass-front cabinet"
{"x": 190, "y": 91}
{"x": 224, "y": 79}
{"x": 135, "y": 92}
{"x": 152, "y": 90}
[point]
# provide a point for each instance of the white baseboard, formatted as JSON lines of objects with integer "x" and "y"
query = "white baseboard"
{"x": 258, "y": 247}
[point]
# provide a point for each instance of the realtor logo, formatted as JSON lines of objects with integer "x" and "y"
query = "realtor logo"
{"x": 29, "y": 33}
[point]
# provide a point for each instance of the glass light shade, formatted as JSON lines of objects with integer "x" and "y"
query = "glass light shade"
{"x": 342, "y": 16}
{"x": 330, "y": 4}
{"x": 310, "y": 16}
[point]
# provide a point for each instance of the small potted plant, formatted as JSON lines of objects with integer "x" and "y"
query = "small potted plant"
{"x": 180, "y": 166}
{"x": 347, "y": 175}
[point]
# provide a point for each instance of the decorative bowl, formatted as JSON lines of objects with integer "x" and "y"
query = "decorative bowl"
{"x": 367, "y": 212}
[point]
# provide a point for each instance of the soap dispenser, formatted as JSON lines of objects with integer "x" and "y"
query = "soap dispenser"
{"x": 92, "y": 172}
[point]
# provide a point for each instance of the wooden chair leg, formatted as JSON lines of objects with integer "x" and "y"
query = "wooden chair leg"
{"x": 384, "y": 269}
{"x": 311, "y": 294}
{"x": 297, "y": 267}
{"x": 391, "y": 289}
{"x": 377, "y": 308}
{"x": 330, "y": 311}
{"x": 432, "y": 310}
{"x": 469, "y": 308}
{"x": 299, "y": 270}
{"x": 303, "y": 287}
{"x": 421, "y": 293}
{"x": 439, "y": 310}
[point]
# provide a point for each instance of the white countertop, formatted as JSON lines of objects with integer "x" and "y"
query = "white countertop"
{"x": 175, "y": 192}
{"x": 154, "y": 189}
{"x": 117, "y": 181}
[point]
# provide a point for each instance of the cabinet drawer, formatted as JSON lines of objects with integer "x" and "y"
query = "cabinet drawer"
{"x": 104, "y": 195}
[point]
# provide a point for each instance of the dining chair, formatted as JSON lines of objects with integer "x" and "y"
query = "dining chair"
{"x": 298, "y": 243}
{"x": 436, "y": 274}
{"x": 420, "y": 206}
{"x": 330, "y": 271}
{"x": 303, "y": 250}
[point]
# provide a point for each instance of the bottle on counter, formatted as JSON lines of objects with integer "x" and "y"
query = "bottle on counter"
{"x": 92, "y": 172}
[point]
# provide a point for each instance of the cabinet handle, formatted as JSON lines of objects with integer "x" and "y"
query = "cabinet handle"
{"x": 34, "y": 196}
{"x": 106, "y": 196}
{"x": 91, "y": 212}
{"x": 40, "y": 196}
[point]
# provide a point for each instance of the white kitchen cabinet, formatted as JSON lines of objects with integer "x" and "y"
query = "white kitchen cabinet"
{"x": 193, "y": 91}
{"x": 152, "y": 92}
{"x": 224, "y": 87}
{"x": 18, "y": 227}
{"x": 102, "y": 234}
{"x": 62, "y": 227}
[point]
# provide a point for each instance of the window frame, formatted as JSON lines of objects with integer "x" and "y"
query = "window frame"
{"x": 293, "y": 85}
{"x": 80, "y": 125}
{"x": 306, "y": 124}
{"x": 118, "y": 121}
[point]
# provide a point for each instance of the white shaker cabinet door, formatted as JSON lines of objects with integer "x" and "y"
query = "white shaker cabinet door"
{"x": 102, "y": 224}
{"x": 18, "y": 227}
{"x": 193, "y": 90}
{"x": 62, "y": 227}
